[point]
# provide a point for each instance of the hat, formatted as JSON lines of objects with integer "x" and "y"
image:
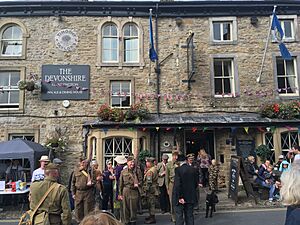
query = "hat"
{"x": 120, "y": 159}
{"x": 175, "y": 152}
{"x": 130, "y": 158}
{"x": 150, "y": 159}
{"x": 108, "y": 162}
{"x": 165, "y": 156}
{"x": 44, "y": 158}
{"x": 181, "y": 158}
{"x": 94, "y": 162}
{"x": 51, "y": 166}
{"x": 57, "y": 161}
{"x": 281, "y": 157}
{"x": 191, "y": 155}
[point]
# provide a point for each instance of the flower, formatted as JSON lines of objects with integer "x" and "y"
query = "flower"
{"x": 289, "y": 110}
{"x": 59, "y": 143}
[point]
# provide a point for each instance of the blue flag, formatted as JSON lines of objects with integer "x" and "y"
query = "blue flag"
{"x": 152, "y": 53}
{"x": 278, "y": 36}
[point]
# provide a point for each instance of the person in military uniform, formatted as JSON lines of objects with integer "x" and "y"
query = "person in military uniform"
{"x": 83, "y": 191}
{"x": 150, "y": 187}
{"x": 170, "y": 174}
{"x": 130, "y": 185}
{"x": 57, "y": 202}
{"x": 97, "y": 176}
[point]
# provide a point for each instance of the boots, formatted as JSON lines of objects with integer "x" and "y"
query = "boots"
{"x": 151, "y": 220}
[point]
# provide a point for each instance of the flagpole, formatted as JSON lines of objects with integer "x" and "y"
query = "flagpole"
{"x": 266, "y": 46}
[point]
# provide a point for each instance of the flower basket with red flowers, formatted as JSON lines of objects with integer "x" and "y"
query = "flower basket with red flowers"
{"x": 138, "y": 111}
{"x": 289, "y": 110}
{"x": 104, "y": 112}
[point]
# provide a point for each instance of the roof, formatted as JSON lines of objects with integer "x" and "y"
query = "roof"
{"x": 141, "y": 8}
{"x": 199, "y": 119}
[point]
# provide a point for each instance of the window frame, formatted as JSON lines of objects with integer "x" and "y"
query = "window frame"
{"x": 297, "y": 79}
{"x": 294, "y": 27}
{"x": 233, "y": 30}
{"x": 130, "y": 37}
{"x": 25, "y": 35}
{"x": 234, "y": 84}
{"x": 284, "y": 151}
{"x": 120, "y": 95}
{"x": 20, "y": 107}
{"x": 111, "y": 37}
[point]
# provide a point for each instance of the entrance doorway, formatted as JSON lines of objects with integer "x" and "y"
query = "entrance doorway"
{"x": 194, "y": 141}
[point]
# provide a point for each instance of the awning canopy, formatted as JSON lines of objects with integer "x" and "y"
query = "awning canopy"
{"x": 20, "y": 148}
{"x": 199, "y": 119}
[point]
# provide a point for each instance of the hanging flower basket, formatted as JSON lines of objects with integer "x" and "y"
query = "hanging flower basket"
{"x": 289, "y": 110}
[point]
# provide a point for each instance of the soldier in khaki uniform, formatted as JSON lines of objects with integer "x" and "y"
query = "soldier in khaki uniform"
{"x": 130, "y": 184}
{"x": 150, "y": 187}
{"x": 170, "y": 174}
{"x": 57, "y": 201}
{"x": 83, "y": 191}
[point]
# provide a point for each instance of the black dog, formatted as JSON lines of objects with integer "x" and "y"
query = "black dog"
{"x": 211, "y": 201}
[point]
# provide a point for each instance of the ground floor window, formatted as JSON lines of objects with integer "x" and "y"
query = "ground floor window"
{"x": 28, "y": 137}
{"x": 288, "y": 139}
{"x": 269, "y": 141}
{"x": 116, "y": 146}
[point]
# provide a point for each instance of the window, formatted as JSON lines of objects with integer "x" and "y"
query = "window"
{"x": 287, "y": 78}
{"x": 120, "y": 94}
{"x": 110, "y": 45}
{"x": 223, "y": 77}
{"x": 9, "y": 91}
{"x": 94, "y": 147}
{"x": 269, "y": 141}
{"x": 116, "y": 146}
{"x": 28, "y": 137}
{"x": 131, "y": 43}
{"x": 223, "y": 30}
{"x": 288, "y": 139}
{"x": 11, "y": 41}
{"x": 289, "y": 26}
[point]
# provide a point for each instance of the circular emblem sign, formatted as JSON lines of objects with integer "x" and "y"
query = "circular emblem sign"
{"x": 66, "y": 40}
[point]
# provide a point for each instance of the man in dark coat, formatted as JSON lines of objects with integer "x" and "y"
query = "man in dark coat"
{"x": 184, "y": 192}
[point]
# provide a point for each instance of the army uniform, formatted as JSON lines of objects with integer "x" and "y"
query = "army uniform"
{"x": 170, "y": 174}
{"x": 130, "y": 194}
{"x": 150, "y": 187}
{"x": 84, "y": 194}
{"x": 56, "y": 204}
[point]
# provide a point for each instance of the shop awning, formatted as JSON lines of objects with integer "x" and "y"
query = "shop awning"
{"x": 199, "y": 119}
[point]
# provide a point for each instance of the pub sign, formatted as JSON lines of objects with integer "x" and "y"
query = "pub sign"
{"x": 65, "y": 82}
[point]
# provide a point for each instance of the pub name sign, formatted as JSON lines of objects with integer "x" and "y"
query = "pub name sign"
{"x": 65, "y": 82}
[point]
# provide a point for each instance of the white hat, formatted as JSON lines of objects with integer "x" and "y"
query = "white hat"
{"x": 120, "y": 159}
{"x": 94, "y": 162}
{"x": 44, "y": 158}
{"x": 281, "y": 157}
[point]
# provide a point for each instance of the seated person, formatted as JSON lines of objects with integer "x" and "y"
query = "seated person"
{"x": 265, "y": 180}
{"x": 285, "y": 166}
{"x": 280, "y": 160}
{"x": 14, "y": 171}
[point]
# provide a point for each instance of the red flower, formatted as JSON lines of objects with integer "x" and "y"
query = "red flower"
{"x": 276, "y": 108}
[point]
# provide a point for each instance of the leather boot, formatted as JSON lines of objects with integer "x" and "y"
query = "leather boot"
{"x": 151, "y": 220}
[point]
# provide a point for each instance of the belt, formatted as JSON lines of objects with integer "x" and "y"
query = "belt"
{"x": 84, "y": 189}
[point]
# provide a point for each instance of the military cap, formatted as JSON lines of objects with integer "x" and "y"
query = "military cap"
{"x": 181, "y": 158}
{"x": 51, "y": 166}
{"x": 165, "y": 156}
{"x": 57, "y": 161}
{"x": 150, "y": 159}
{"x": 191, "y": 155}
{"x": 130, "y": 158}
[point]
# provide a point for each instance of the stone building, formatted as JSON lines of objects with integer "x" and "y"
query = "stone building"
{"x": 202, "y": 92}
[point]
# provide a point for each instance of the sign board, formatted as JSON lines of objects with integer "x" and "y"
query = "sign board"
{"x": 245, "y": 148}
{"x": 65, "y": 82}
{"x": 238, "y": 169}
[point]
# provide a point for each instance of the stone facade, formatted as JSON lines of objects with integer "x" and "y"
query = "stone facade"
{"x": 42, "y": 117}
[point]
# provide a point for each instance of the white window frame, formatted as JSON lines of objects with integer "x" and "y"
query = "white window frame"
{"x": 22, "y": 136}
{"x": 269, "y": 143}
{"x": 120, "y": 95}
{"x": 296, "y": 76}
{"x": 112, "y": 154}
{"x": 10, "y": 88}
{"x": 293, "y": 18}
{"x": 128, "y": 38}
{"x": 111, "y": 37}
{"x": 234, "y": 81}
{"x": 233, "y": 29}
{"x": 290, "y": 141}
{"x": 17, "y": 43}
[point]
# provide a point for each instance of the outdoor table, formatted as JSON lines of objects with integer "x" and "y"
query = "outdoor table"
{"x": 17, "y": 193}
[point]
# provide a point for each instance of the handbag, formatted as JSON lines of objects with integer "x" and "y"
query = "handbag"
{"x": 28, "y": 217}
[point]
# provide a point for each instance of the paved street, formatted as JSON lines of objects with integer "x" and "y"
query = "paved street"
{"x": 245, "y": 217}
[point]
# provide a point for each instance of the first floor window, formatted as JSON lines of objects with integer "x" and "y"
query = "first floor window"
{"x": 116, "y": 146}
{"x": 287, "y": 77}
{"x": 222, "y": 31}
{"x": 120, "y": 94}
{"x": 223, "y": 77}
{"x": 288, "y": 139}
{"x": 9, "y": 91}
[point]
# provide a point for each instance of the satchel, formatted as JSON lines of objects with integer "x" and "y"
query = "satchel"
{"x": 29, "y": 217}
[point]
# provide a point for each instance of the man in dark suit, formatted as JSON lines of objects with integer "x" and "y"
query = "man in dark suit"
{"x": 184, "y": 192}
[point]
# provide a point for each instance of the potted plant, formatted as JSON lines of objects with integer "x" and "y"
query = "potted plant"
{"x": 137, "y": 111}
{"x": 30, "y": 84}
{"x": 263, "y": 152}
{"x": 104, "y": 112}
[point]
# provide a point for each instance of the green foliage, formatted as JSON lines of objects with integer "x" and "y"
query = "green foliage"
{"x": 143, "y": 155}
{"x": 289, "y": 110}
{"x": 263, "y": 152}
{"x": 137, "y": 111}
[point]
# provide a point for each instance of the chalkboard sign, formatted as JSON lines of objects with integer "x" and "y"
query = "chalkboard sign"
{"x": 235, "y": 163}
{"x": 245, "y": 148}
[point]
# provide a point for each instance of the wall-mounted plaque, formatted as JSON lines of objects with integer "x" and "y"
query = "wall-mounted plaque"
{"x": 66, "y": 40}
{"x": 65, "y": 82}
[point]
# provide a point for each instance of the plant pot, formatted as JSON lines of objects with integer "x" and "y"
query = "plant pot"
{"x": 30, "y": 86}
